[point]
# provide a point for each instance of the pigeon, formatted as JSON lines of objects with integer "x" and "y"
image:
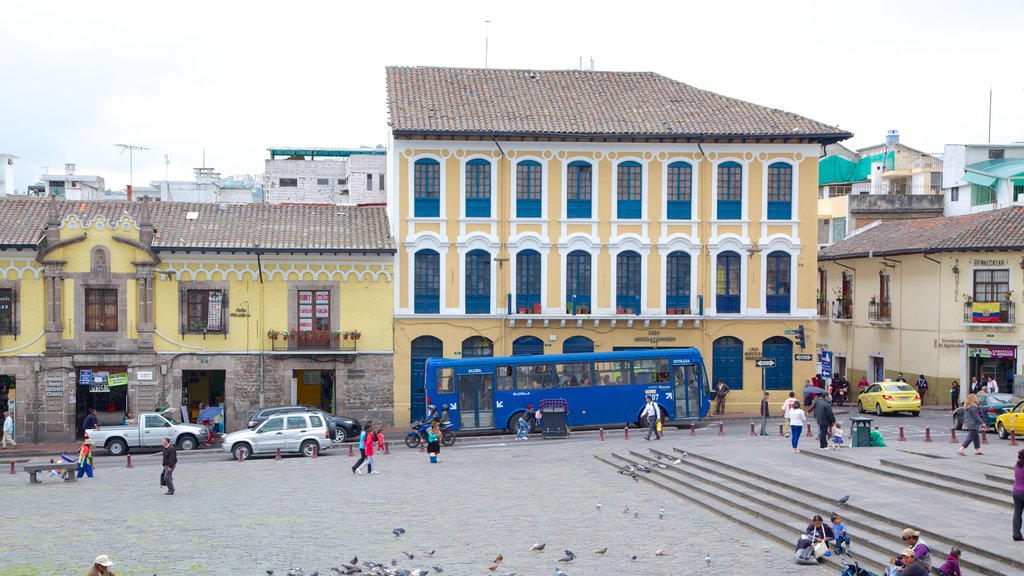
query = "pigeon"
{"x": 636, "y": 514}
{"x": 677, "y": 461}
{"x": 538, "y": 546}
{"x": 601, "y": 551}
{"x": 397, "y": 532}
{"x": 499, "y": 558}
{"x": 660, "y": 552}
{"x": 270, "y": 573}
{"x": 658, "y": 456}
{"x": 707, "y": 559}
{"x": 569, "y": 556}
{"x": 558, "y": 571}
{"x": 420, "y": 572}
{"x": 431, "y": 552}
{"x": 633, "y": 557}
{"x": 598, "y": 505}
{"x": 626, "y": 509}
{"x": 315, "y": 573}
{"x": 842, "y": 501}
{"x": 437, "y": 569}
{"x": 394, "y": 562}
{"x": 354, "y": 560}
{"x": 492, "y": 567}
{"x": 408, "y": 555}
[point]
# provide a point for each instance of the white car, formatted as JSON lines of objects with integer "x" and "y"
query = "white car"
{"x": 290, "y": 432}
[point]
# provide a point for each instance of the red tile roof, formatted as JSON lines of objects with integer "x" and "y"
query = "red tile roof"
{"x": 473, "y": 101}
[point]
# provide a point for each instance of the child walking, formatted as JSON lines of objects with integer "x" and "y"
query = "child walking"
{"x": 837, "y": 435}
{"x": 434, "y": 440}
{"x": 371, "y": 438}
{"x": 522, "y": 428}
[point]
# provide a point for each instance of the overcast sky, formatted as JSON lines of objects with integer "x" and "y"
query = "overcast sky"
{"x": 234, "y": 78}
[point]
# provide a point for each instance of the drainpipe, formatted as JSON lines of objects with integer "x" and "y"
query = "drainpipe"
{"x": 259, "y": 266}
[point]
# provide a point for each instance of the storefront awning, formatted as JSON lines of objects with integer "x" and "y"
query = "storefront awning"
{"x": 979, "y": 179}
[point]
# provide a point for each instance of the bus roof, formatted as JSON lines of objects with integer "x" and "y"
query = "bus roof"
{"x": 687, "y": 352}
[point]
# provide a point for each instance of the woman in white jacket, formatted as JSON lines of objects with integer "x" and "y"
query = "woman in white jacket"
{"x": 797, "y": 418}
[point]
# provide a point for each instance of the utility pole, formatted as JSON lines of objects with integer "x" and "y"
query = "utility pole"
{"x": 131, "y": 148}
{"x": 989, "y": 114}
{"x": 487, "y": 39}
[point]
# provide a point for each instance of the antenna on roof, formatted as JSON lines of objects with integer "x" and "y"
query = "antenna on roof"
{"x": 591, "y": 63}
{"x": 131, "y": 148}
{"x": 487, "y": 39}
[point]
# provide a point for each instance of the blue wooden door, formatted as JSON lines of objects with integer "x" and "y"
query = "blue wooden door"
{"x": 422, "y": 348}
{"x": 781, "y": 376}
{"x": 727, "y": 362}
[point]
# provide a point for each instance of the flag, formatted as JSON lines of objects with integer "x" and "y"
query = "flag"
{"x": 985, "y": 312}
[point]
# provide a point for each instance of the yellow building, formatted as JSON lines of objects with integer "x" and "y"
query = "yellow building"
{"x": 131, "y": 306}
{"x": 550, "y": 211}
{"x": 934, "y": 297}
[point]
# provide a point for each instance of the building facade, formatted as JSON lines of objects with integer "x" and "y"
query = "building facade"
{"x": 597, "y": 227}
{"x": 135, "y": 306}
{"x": 326, "y": 176}
{"x": 935, "y": 297}
{"x": 74, "y": 186}
{"x": 983, "y": 177}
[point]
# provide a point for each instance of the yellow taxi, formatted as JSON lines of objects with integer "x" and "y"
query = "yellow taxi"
{"x": 1011, "y": 420}
{"x": 889, "y": 396}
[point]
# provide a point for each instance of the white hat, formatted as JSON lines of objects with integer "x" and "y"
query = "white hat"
{"x": 103, "y": 560}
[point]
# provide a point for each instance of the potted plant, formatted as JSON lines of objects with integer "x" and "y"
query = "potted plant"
{"x": 273, "y": 334}
{"x": 346, "y": 334}
{"x": 874, "y": 299}
{"x": 1008, "y": 294}
{"x": 356, "y": 334}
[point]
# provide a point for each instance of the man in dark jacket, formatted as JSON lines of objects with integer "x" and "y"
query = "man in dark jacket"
{"x": 824, "y": 417}
{"x": 170, "y": 461}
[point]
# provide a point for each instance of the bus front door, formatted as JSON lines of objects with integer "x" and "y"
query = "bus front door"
{"x": 687, "y": 392}
{"x": 476, "y": 401}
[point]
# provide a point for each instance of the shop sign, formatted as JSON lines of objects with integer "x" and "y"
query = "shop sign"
{"x": 753, "y": 353}
{"x": 989, "y": 262}
{"x": 120, "y": 379}
{"x": 654, "y": 336}
{"x": 55, "y": 386}
{"x": 993, "y": 352}
{"x": 99, "y": 383}
{"x": 144, "y": 375}
{"x": 85, "y": 377}
{"x": 950, "y": 343}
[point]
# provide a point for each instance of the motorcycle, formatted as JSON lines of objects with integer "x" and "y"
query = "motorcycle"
{"x": 420, "y": 430}
{"x": 840, "y": 396}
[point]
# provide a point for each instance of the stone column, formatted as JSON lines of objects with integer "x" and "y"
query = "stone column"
{"x": 54, "y": 307}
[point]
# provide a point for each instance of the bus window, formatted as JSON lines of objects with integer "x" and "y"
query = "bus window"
{"x": 533, "y": 377}
{"x": 651, "y": 371}
{"x": 573, "y": 375}
{"x": 504, "y": 378}
{"x": 615, "y": 373}
{"x": 445, "y": 379}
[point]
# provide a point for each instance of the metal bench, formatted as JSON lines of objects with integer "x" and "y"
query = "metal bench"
{"x": 67, "y": 470}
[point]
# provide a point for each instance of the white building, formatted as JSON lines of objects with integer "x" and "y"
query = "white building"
{"x": 208, "y": 186}
{"x": 7, "y": 174}
{"x": 74, "y": 186}
{"x": 982, "y": 177}
{"x": 326, "y": 176}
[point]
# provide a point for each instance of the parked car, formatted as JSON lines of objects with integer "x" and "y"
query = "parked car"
{"x": 992, "y": 405}
{"x": 888, "y": 396}
{"x": 149, "y": 432}
{"x": 295, "y": 432}
{"x": 1011, "y": 420}
{"x": 342, "y": 428}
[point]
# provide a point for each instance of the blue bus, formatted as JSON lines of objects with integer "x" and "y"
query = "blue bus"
{"x": 602, "y": 388}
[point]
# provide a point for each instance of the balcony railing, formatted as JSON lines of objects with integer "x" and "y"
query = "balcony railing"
{"x": 842, "y": 309}
{"x": 822, "y": 308}
{"x": 984, "y": 313}
{"x": 312, "y": 341}
{"x": 880, "y": 311}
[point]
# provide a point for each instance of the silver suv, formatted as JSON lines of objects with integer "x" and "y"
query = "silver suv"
{"x": 289, "y": 432}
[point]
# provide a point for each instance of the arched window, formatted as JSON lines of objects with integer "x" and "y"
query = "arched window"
{"x": 577, "y": 281}
{"x": 727, "y": 362}
{"x": 427, "y": 188}
{"x": 478, "y": 188}
{"x": 528, "y": 189}
{"x": 630, "y": 187}
{"x": 780, "y": 191}
{"x": 478, "y": 282}
{"x": 578, "y": 182}
{"x": 779, "y": 377}
{"x": 627, "y": 284}
{"x": 680, "y": 190}
{"x": 730, "y": 191}
{"x": 677, "y": 286}
{"x": 477, "y": 347}
{"x": 527, "y": 346}
{"x": 777, "y": 283}
{"x": 427, "y": 282}
{"x": 528, "y": 282}
{"x": 727, "y": 285}
{"x": 577, "y": 345}
{"x": 421, "y": 349}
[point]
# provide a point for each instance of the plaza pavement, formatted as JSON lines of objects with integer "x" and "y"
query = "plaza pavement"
{"x": 488, "y": 496}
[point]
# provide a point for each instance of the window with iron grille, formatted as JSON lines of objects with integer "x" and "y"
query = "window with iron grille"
{"x": 426, "y": 188}
{"x": 627, "y": 282}
{"x": 991, "y": 285}
{"x": 778, "y": 282}
{"x": 730, "y": 191}
{"x": 478, "y": 188}
{"x": 727, "y": 283}
{"x": 7, "y": 310}
{"x": 629, "y": 191}
{"x": 780, "y": 191}
{"x": 101, "y": 310}
{"x": 528, "y": 189}
{"x": 680, "y": 190}
{"x": 427, "y": 282}
{"x": 204, "y": 311}
{"x": 579, "y": 189}
{"x": 528, "y": 280}
{"x": 677, "y": 288}
{"x": 478, "y": 282}
{"x": 577, "y": 279}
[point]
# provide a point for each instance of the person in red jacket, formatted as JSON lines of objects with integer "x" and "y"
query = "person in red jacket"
{"x": 371, "y": 439}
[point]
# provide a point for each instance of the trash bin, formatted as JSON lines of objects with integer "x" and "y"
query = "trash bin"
{"x": 860, "y": 432}
{"x": 554, "y": 418}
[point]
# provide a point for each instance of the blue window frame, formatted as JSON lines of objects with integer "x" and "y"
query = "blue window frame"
{"x": 478, "y": 188}
{"x": 577, "y": 280}
{"x": 477, "y": 347}
{"x": 427, "y": 188}
{"x": 780, "y": 191}
{"x": 727, "y": 290}
{"x": 478, "y": 282}
{"x": 528, "y": 189}
{"x": 677, "y": 289}
{"x": 680, "y": 191}
{"x": 630, "y": 190}
{"x": 778, "y": 279}
{"x": 627, "y": 282}
{"x": 579, "y": 189}
{"x": 730, "y": 191}
{"x": 528, "y": 346}
{"x": 427, "y": 282}
{"x": 527, "y": 280}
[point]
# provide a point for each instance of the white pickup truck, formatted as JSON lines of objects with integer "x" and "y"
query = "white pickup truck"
{"x": 148, "y": 433}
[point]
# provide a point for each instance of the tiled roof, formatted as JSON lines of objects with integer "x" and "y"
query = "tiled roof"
{"x": 994, "y": 230}
{"x": 473, "y": 101}
{"x": 274, "y": 227}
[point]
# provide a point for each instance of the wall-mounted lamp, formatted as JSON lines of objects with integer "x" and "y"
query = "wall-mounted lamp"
{"x": 167, "y": 274}
{"x": 956, "y": 269}
{"x": 1022, "y": 262}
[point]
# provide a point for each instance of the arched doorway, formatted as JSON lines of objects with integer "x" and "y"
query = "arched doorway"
{"x": 577, "y": 344}
{"x": 422, "y": 348}
{"x": 781, "y": 376}
{"x": 528, "y": 346}
{"x": 727, "y": 362}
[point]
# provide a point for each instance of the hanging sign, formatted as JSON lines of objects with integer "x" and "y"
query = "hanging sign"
{"x": 85, "y": 377}
{"x": 213, "y": 311}
{"x": 120, "y": 379}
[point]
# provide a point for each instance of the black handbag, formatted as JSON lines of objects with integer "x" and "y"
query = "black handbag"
{"x": 162, "y": 481}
